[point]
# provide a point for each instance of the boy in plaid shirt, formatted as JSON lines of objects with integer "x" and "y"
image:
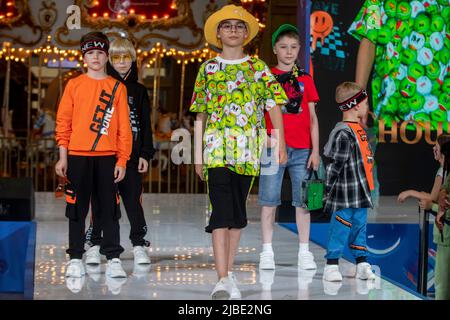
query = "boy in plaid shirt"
{"x": 348, "y": 184}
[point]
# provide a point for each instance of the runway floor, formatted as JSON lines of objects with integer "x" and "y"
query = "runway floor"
{"x": 182, "y": 262}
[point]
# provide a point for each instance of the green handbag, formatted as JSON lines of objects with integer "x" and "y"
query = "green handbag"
{"x": 312, "y": 192}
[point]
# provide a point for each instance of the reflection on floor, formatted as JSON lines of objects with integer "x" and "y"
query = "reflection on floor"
{"x": 182, "y": 262}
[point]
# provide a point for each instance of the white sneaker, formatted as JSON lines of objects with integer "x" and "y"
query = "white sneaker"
{"x": 306, "y": 260}
{"x": 364, "y": 271}
{"x": 331, "y": 273}
{"x": 75, "y": 284}
{"x": 235, "y": 293}
{"x": 140, "y": 255}
{"x": 75, "y": 268}
{"x": 114, "y": 269}
{"x": 221, "y": 290}
{"x": 266, "y": 260}
{"x": 93, "y": 255}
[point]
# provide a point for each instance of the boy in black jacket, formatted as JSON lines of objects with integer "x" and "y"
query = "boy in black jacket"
{"x": 122, "y": 66}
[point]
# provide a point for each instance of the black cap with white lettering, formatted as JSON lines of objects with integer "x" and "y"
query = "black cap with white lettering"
{"x": 94, "y": 41}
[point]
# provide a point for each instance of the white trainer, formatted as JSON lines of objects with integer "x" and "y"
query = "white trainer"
{"x": 306, "y": 260}
{"x": 93, "y": 255}
{"x": 331, "y": 273}
{"x": 235, "y": 293}
{"x": 221, "y": 290}
{"x": 266, "y": 260}
{"x": 114, "y": 269}
{"x": 364, "y": 271}
{"x": 140, "y": 255}
{"x": 75, "y": 268}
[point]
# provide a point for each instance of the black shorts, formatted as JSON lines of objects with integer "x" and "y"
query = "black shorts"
{"x": 228, "y": 193}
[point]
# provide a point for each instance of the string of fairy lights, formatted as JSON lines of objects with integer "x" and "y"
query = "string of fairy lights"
{"x": 49, "y": 52}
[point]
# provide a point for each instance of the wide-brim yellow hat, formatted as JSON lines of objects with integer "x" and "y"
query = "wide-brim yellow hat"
{"x": 229, "y": 12}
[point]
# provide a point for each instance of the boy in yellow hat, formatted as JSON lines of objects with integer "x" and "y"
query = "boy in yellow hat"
{"x": 231, "y": 93}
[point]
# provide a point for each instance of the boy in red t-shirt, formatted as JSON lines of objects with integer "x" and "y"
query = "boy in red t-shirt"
{"x": 301, "y": 129}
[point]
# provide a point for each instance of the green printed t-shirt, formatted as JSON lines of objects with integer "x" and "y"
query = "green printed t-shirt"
{"x": 234, "y": 94}
{"x": 411, "y": 78}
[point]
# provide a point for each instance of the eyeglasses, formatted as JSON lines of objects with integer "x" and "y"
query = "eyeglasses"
{"x": 238, "y": 27}
{"x": 116, "y": 58}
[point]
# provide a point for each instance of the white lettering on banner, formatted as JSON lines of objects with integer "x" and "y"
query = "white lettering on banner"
{"x": 74, "y": 19}
{"x": 181, "y": 153}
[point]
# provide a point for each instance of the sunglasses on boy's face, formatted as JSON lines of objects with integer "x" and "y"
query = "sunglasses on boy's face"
{"x": 116, "y": 58}
{"x": 239, "y": 27}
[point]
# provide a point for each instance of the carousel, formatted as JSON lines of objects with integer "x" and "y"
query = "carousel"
{"x": 40, "y": 53}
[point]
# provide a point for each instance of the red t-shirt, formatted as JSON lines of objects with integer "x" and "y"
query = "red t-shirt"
{"x": 297, "y": 127}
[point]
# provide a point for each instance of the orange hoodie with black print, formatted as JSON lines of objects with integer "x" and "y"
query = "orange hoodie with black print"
{"x": 86, "y": 123}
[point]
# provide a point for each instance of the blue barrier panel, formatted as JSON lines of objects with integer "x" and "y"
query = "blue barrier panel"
{"x": 17, "y": 252}
{"x": 392, "y": 247}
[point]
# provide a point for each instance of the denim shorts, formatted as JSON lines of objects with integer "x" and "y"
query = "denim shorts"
{"x": 271, "y": 176}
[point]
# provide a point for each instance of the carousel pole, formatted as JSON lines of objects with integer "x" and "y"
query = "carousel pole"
{"x": 5, "y": 111}
{"x": 30, "y": 88}
{"x": 183, "y": 75}
{"x": 5, "y": 105}
{"x": 155, "y": 90}
{"x": 156, "y": 100}
{"x": 60, "y": 76}
{"x": 39, "y": 82}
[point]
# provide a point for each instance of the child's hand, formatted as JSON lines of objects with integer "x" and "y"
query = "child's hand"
{"x": 440, "y": 220}
{"x": 425, "y": 204}
{"x": 61, "y": 167}
{"x": 403, "y": 196}
{"x": 119, "y": 173}
{"x": 442, "y": 200}
{"x": 314, "y": 161}
{"x": 143, "y": 165}
{"x": 283, "y": 156}
{"x": 199, "y": 171}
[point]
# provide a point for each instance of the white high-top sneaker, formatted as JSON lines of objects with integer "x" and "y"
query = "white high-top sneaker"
{"x": 114, "y": 269}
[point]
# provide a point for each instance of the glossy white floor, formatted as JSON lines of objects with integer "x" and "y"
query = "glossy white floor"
{"x": 182, "y": 263}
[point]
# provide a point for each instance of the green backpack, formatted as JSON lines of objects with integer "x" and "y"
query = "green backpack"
{"x": 312, "y": 192}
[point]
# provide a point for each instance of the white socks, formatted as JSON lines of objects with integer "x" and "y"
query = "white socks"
{"x": 304, "y": 247}
{"x": 267, "y": 247}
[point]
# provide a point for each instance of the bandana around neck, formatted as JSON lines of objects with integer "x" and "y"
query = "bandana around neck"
{"x": 290, "y": 79}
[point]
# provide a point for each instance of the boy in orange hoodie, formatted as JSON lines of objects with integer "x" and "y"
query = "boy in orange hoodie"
{"x": 94, "y": 137}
